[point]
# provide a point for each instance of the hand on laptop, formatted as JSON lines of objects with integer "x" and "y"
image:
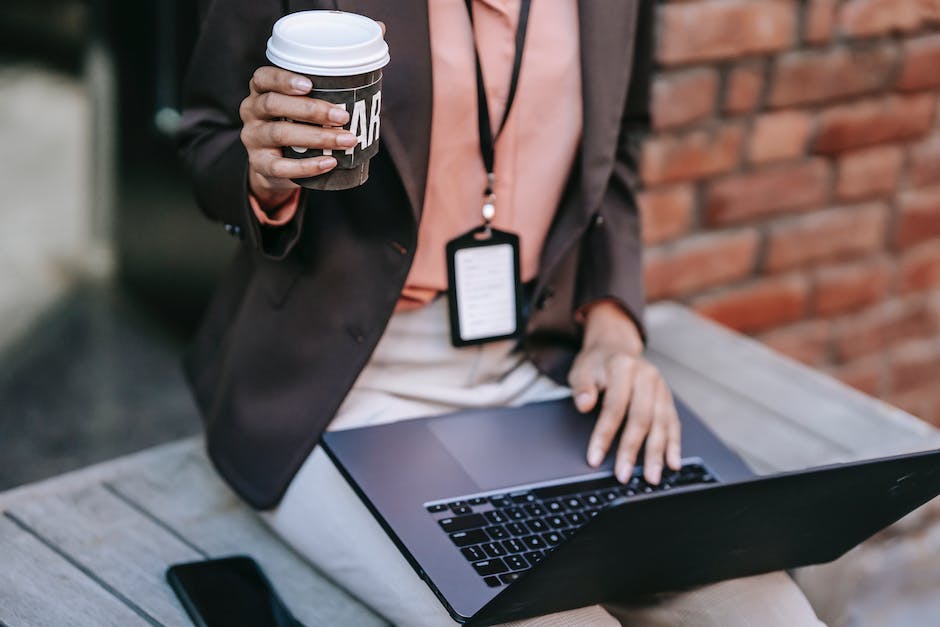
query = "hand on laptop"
{"x": 611, "y": 361}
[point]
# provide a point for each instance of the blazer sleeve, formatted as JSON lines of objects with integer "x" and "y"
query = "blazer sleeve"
{"x": 611, "y": 264}
{"x": 230, "y": 47}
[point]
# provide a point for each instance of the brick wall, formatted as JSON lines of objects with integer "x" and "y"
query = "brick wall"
{"x": 792, "y": 186}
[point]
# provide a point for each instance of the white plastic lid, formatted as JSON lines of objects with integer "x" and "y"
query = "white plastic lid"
{"x": 327, "y": 43}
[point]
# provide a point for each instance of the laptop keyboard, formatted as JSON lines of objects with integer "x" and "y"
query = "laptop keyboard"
{"x": 503, "y": 534}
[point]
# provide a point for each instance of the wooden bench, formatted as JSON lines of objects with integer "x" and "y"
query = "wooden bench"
{"x": 91, "y": 547}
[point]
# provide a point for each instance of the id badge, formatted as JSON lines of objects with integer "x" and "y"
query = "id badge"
{"x": 484, "y": 290}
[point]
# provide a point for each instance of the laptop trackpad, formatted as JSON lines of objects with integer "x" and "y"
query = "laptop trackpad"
{"x": 501, "y": 448}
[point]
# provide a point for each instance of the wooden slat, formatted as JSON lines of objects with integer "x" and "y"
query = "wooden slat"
{"x": 124, "y": 548}
{"x": 40, "y": 587}
{"x": 183, "y": 492}
{"x": 792, "y": 392}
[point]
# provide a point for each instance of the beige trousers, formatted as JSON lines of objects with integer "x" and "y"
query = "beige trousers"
{"x": 414, "y": 372}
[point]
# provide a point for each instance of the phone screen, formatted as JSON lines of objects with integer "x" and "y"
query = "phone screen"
{"x": 229, "y": 592}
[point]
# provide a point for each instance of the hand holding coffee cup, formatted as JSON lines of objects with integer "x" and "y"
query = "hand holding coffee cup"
{"x": 276, "y": 97}
{"x": 341, "y": 55}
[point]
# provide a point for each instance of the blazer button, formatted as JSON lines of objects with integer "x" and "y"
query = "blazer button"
{"x": 598, "y": 220}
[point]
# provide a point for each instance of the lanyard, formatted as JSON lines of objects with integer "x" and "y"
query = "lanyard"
{"x": 487, "y": 138}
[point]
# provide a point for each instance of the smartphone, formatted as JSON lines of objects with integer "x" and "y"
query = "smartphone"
{"x": 228, "y": 592}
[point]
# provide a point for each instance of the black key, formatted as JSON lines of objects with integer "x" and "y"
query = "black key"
{"x": 492, "y": 581}
{"x": 557, "y": 522}
{"x": 535, "y": 510}
{"x": 497, "y": 532}
{"x": 591, "y": 500}
{"x": 592, "y": 512}
{"x": 477, "y": 500}
{"x": 515, "y": 513}
{"x": 576, "y": 518}
{"x": 513, "y": 545}
{"x": 460, "y": 510}
{"x": 517, "y": 529}
{"x": 495, "y": 517}
{"x": 610, "y": 495}
{"x": 462, "y": 523}
{"x": 473, "y": 553}
{"x": 574, "y": 502}
{"x": 494, "y": 549}
{"x": 516, "y": 562}
{"x": 537, "y": 525}
{"x": 490, "y": 567}
{"x": 500, "y": 501}
{"x": 534, "y": 542}
{"x": 534, "y": 557}
{"x": 464, "y": 538}
{"x": 554, "y": 507}
{"x": 522, "y": 497}
{"x": 440, "y": 507}
{"x": 510, "y": 577}
{"x": 554, "y": 538}
{"x": 591, "y": 485}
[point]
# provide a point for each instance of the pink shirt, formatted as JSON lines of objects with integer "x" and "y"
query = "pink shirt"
{"x": 535, "y": 149}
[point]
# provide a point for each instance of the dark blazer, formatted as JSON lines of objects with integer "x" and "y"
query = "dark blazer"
{"x": 301, "y": 308}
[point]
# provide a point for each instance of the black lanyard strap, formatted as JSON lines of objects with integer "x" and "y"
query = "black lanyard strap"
{"x": 487, "y": 138}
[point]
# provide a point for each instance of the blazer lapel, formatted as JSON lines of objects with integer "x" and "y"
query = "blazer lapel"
{"x": 406, "y": 88}
{"x": 607, "y": 37}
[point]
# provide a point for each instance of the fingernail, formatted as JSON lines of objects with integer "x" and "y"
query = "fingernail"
{"x": 654, "y": 473}
{"x": 338, "y": 115}
{"x": 327, "y": 162}
{"x": 595, "y": 456}
{"x": 301, "y": 84}
{"x": 623, "y": 475}
{"x": 347, "y": 140}
{"x": 582, "y": 400}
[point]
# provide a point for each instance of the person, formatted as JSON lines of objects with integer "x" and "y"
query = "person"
{"x": 333, "y": 313}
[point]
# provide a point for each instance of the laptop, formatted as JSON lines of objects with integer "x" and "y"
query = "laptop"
{"x": 499, "y": 513}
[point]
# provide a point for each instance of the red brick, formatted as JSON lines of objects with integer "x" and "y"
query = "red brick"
{"x": 759, "y": 306}
{"x": 869, "y": 172}
{"x": 839, "y": 233}
{"x": 666, "y": 212}
{"x": 865, "y": 375}
{"x": 849, "y": 287}
{"x": 779, "y": 136}
{"x": 920, "y": 268}
{"x": 921, "y": 69}
{"x": 700, "y": 262}
{"x": 723, "y": 29}
{"x": 820, "y": 21}
{"x": 868, "y": 122}
{"x": 744, "y": 87}
{"x": 884, "y": 325}
{"x": 768, "y": 191}
{"x": 924, "y": 163}
{"x": 809, "y": 76}
{"x": 865, "y": 18}
{"x": 918, "y": 217}
{"x": 806, "y": 342}
{"x": 680, "y": 98}
{"x": 693, "y": 155}
{"x": 914, "y": 365}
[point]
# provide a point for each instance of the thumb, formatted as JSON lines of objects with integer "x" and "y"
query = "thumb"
{"x": 583, "y": 386}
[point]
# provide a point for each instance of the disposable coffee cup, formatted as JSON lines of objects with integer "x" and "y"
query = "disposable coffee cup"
{"x": 343, "y": 55}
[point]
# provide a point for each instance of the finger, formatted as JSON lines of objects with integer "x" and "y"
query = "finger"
{"x": 616, "y": 398}
{"x": 656, "y": 442}
{"x": 674, "y": 434}
{"x": 639, "y": 420}
{"x": 268, "y": 78}
{"x": 276, "y": 134}
{"x": 382, "y": 25}
{"x": 271, "y": 105}
{"x": 583, "y": 381}
{"x": 275, "y": 166}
